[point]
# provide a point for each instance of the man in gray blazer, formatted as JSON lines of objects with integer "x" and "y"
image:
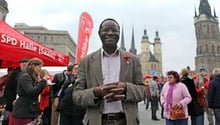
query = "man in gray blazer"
{"x": 110, "y": 82}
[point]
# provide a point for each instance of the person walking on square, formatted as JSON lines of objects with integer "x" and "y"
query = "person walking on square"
{"x": 110, "y": 82}
{"x": 214, "y": 95}
{"x": 208, "y": 111}
{"x": 154, "y": 98}
{"x": 175, "y": 94}
{"x": 194, "y": 109}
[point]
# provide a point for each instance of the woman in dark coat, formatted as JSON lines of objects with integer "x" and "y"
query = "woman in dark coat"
{"x": 214, "y": 95}
{"x": 26, "y": 107}
{"x": 194, "y": 109}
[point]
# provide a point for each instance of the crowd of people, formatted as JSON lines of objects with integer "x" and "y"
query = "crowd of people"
{"x": 104, "y": 89}
{"x": 200, "y": 96}
{"x": 30, "y": 93}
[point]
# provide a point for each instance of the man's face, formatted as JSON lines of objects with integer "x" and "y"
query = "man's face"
{"x": 23, "y": 65}
{"x": 75, "y": 70}
{"x": 109, "y": 33}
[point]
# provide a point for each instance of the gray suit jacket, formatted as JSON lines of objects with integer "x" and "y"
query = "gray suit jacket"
{"x": 90, "y": 76}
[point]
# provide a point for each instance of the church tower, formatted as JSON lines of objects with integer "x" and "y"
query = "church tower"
{"x": 151, "y": 62}
{"x": 145, "y": 50}
{"x": 133, "y": 49}
{"x": 158, "y": 53}
{"x": 208, "y": 38}
{"x": 3, "y": 9}
{"x": 122, "y": 40}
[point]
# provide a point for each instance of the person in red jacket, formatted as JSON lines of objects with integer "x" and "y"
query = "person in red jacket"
{"x": 209, "y": 112}
{"x": 202, "y": 103}
{"x": 45, "y": 105}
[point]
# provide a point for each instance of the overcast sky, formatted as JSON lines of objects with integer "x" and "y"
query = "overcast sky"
{"x": 172, "y": 18}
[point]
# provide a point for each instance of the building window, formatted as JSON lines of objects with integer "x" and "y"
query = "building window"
{"x": 197, "y": 32}
{"x": 45, "y": 39}
{"x": 51, "y": 39}
{"x": 204, "y": 28}
{"x": 206, "y": 48}
{"x": 38, "y": 38}
{"x": 213, "y": 49}
{"x": 218, "y": 49}
{"x": 200, "y": 49}
{"x": 207, "y": 28}
{"x": 213, "y": 31}
{"x": 152, "y": 66}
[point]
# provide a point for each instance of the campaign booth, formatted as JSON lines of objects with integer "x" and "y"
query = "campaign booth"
{"x": 15, "y": 46}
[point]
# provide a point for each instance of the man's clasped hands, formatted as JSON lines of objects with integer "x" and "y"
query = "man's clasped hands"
{"x": 111, "y": 91}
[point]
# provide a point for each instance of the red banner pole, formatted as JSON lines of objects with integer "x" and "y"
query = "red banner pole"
{"x": 85, "y": 30}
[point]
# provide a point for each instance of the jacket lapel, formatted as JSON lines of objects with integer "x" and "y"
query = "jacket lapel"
{"x": 125, "y": 66}
{"x": 96, "y": 66}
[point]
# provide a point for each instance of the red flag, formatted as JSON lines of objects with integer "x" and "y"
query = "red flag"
{"x": 85, "y": 30}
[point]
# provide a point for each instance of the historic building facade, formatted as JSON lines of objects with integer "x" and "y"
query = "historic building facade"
{"x": 151, "y": 62}
{"x": 3, "y": 9}
{"x": 57, "y": 40}
{"x": 208, "y": 38}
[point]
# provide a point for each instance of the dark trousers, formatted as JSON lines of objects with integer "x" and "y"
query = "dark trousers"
{"x": 200, "y": 119}
{"x": 162, "y": 109}
{"x": 177, "y": 122}
{"x": 147, "y": 102}
{"x": 70, "y": 119}
{"x": 46, "y": 117}
{"x": 154, "y": 106}
{"x": 193, "y": 119}
{"x": 5, "y": 122}
{"x": 217, "y": 116}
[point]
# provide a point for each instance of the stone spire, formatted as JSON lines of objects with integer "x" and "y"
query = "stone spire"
{"x": 133, "y": 50}
{"x": 195, "y": 13}
{"x": 157, "y": 36}
{"x": 145, "y": 36}
{"x": 122, "y": 40}
{"x": 204, "y": 8}
{"x": 214, "y": 13}
{"x": 4, "y": 4}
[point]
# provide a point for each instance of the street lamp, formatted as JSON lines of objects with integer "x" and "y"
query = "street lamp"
{"x": 202, "y": 71}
